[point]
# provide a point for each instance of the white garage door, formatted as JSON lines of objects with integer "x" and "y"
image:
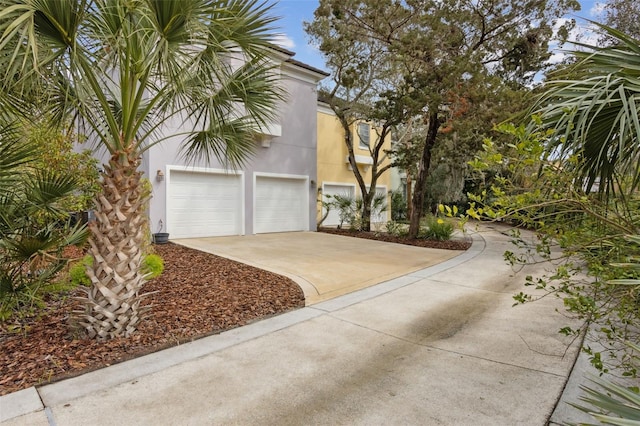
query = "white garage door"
{"x": 328, "y": 191}
{"x": 281, "y": 205}
{"x": 204, "y": 204}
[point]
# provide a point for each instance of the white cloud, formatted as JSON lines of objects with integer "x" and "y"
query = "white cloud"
{"x": 584, "y": 32}
{"x": 285, "y": 41}
{"x": 556, "y": 57}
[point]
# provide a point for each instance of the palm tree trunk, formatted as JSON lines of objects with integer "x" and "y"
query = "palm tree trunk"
{"x": 112, "y": 305}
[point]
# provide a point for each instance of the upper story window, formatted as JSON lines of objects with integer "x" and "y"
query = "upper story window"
{"x": 363, "y": 135}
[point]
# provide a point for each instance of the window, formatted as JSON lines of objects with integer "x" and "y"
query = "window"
{"x": 363, "y": 135}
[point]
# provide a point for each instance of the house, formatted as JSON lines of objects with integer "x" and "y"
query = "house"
{"x": 275, "y": 191}
{"x": 335, "y": 176}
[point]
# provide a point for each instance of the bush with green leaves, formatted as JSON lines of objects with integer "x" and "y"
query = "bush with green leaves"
{"x": 350, "y": 209}
{"x": 153, "y": 265}
{"x": 34, "y": 224}
{"x": 55, "y": 151}
{"x": 397, "y": 229}
{"x": 78, "y": 272}
{"x": 585, "y": 235}
{"x": 398, "y": 206}
{"x": 346, "y": 207}
{"x": 437, "y": 228}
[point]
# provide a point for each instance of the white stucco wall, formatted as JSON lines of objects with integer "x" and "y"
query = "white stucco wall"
{"x": 292, "y": 153}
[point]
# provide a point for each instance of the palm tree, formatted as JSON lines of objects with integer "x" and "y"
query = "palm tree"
{"x": 597, "y": 116}
{"x": 122, "y": 69}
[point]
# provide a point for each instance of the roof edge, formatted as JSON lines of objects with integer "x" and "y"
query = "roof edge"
{"x": 308, "y": 67}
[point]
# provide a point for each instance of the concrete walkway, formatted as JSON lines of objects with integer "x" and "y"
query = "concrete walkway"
{"x": 441, "y": 345}
{"x": 323, "y": 265}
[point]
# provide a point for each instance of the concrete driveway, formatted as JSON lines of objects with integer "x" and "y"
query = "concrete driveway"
{"x": 439, "y": 346}
{"x": 323, "y": 265}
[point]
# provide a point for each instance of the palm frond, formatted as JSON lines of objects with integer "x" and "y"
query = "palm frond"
{"x": 249, "y": 24}
{"x": 610, "y": 403}
{"x": 230, "y": 142}
{"x": 15, "y": 153}
{"x": 45, "y": 189}
{"x": 124, "y": 71}
{"x": 597, "y": 117}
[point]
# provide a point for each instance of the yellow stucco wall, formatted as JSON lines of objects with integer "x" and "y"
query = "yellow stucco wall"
{"x": 332, "y": 153}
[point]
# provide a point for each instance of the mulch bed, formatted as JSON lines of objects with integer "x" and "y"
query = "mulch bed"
{"x": 198, "y": 294}
{"x": 382, "y": 236}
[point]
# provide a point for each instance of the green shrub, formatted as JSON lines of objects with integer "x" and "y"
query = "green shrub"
{"x": 20, "y": 305}
{"x": 153, "y": 265}
{"x": 350, "y": 209}
{"x": 78, "y": 272}
{"x": 398, "y": 206}
{"x": 397, "y": 229}
{"x": 346, "y": 206}
{"x": 437, "y": 229}
{"x": 34, "y": 223}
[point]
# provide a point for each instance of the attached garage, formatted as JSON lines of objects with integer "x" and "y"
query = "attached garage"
{"x": 328, "y": 191}
{"x": 281, "y": 204}
{"x": 204, "y": 203}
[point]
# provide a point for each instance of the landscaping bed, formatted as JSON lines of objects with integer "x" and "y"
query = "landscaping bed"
{"x": 198, "y": 294}
{"x": 383, "y": 236}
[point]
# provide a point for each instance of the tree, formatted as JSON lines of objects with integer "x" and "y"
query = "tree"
{"x": 122, "y": 69}
{"x": 596, "y": 117}
{"x": 586, "y": 132}
{"x": 439, "y": 51}
{"x": 361, "y": 73}
{"x": 479, "y": 111}
{"x": 624, "y": 16}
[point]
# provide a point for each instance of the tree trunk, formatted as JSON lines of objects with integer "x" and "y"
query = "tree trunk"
{"x": 409, "y": 194}
{"x": 348, "y": 139}
{"x": 423, "y": 169}
{"x": 112, "y": 304}
{"x": 365, "y": 220}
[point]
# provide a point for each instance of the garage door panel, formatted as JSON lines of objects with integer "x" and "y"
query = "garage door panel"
{"x": 280, "y": 205}
{"x": 204, "y": 204}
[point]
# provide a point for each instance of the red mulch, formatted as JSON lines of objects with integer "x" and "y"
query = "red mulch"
{"x": 198, "y": 294}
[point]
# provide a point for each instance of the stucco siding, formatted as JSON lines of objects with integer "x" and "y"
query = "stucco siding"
{"x": 292, "y": 153}
{"x": 332, "y": 153}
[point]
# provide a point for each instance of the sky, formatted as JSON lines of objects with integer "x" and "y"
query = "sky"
{"x": 294, "y": 12}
